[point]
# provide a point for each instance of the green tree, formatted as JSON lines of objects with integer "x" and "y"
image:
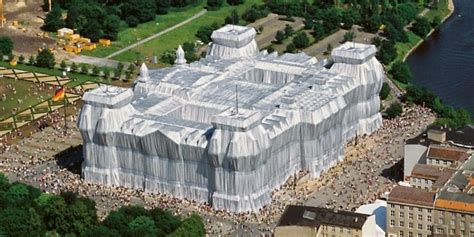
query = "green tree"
{"x": 401, "y": 72}
{"x": 120, "y": 66}
{"x": 6, "y": 45}
{"x": 387, "y": 52}
{"x": 53, "y": 20}
{"x": 301, "y": 40}
{"x": 385, "y": 91}
{"x": 280, "y": 36}
{"x": 349, "y": 36}
{"x": 63, "y": 65}
{"x": 111, "y": 27}
{"x": 235, "y": 2}
{"x": 168, "y": 57}
{"x": 74, "y": 67}
{"x": 21, "y": 222}
{"x": 84, "y": 69}
{"x": 102, "y": 231}
{"x": 233, "y": 18}
{"x": 32, "y": 60}
{"x": 165, "y": 220}
{"x": 45, "y": 59}
{"x": 143, "y": 226}
{"x": 21, "y": 59}
{"x": 421, "y": 27}
{"x": 289, "y": 30}
{"x": 131, "y": 68}
{"x": 436, "y": 22}
{"x": 95, "y": 70}
{"x": 214, "y": 4}
{"x": 394, "y": 110}
{"x": 318, "y": 31}
{"x": 17, "y": 195}
{"x": 204, "y": 32}
{"x": 290, "y": 48}
{"x": 132, "y": 21}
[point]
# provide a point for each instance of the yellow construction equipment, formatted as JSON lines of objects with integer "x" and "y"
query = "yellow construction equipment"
{"x": 104, "y": 42}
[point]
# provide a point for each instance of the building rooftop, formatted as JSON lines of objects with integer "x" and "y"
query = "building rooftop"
{"x": 414, "y": 196}
{"x": 430, "y": 171}
{"x": 463, "y": 137}
{"x": 447, "y": 153}
{"x": 316, "y": 216}
{"x": 458, "y": 192}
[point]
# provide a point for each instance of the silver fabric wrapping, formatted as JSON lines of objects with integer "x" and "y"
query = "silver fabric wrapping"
{"x": 228, "y": 130}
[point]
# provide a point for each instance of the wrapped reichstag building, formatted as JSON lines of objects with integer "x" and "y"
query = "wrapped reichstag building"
{"x": 233, "y": 126}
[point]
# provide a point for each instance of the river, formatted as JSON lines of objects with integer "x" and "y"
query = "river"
{"x": 444, "y": 63}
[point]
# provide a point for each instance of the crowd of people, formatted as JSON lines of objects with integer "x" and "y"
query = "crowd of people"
{"x": 355, "y": 181}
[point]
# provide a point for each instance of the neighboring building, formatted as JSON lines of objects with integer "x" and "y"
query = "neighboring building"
{"x": 306, "y": 221}
{"x": 233, "y": 126}
{"x": 378, "y": 209}
{"x": 410, "y": 212}
{"x": 448, "y": 157}
{"x": 429, "y": 177}
{"x": 441, "y": 201}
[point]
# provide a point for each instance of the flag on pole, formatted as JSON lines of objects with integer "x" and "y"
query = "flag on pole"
{"x": 59, "y": 94}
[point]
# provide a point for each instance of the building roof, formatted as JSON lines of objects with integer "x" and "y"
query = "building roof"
{"x": 463, "y": 137}
{"x": 426, "y": 171}
{"x": 412, "y": 196}
{"x": 457, "y": 193}
{"x": 447, "y": 153}
{"x": 316, "y": 216}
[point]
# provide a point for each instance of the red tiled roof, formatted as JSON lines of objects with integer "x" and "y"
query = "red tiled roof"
{"x": 414, "y": 196}
{"x": 447, "y": 153}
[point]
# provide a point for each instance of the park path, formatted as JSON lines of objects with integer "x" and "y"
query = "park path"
{"x": 197, "y": 15}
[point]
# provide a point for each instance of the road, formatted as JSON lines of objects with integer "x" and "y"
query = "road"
{"x": 197, "y": 15}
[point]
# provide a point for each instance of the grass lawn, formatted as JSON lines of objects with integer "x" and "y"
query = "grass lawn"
{"x": 26, "y": 91}
{"x": 78, "y": 78}
{"x": 129, "y": 36}
{"x": 185, "y": 33}
{"x": 404, "y": 48}
{"x": 441, "y": 11}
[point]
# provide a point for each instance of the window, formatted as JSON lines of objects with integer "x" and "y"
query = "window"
{"x": 452, "y": 231}
{"x": 420, "y": 235}
{"x": 430, "y": 227}
{"x": 440, "y": 230}
{"x": 401, "y": 233}
{"x": 441, "y": 221}
{"x": 472, "y": 224}
{"x": 437, "y": 162}
{"x": 462, "y": 223}
{"x": 429, "y": 211}
{"x": 420, "y": 210}
{"x": 452, "y": 222}
{"x": 410, "y": 215}
{"x": 429, "y": 218}
{"x": 333, "y": 229}
{"x": 401, "y": 214}
{"x": 341, "y": 230}
{"x": 426, "y": 181}
{"x": 402, "y": 224}
{"x": 410, "y": 234}
{"x": 410, "y": 225}
{"x": 463, "y": 232}
{"x": 392, "y": 213}
{"x": 349, "y": 231}
{"x": 420, "y": 217}
{"x": 420, "y": 226}
{"x": 410, "y": 208}
{"x": 392, "y": 222}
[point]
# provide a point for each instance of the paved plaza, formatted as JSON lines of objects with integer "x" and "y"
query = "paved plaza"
{"x": 355, "y": 181}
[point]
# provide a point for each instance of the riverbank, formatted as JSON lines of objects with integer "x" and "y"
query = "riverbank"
{"x": 421, "y": 40}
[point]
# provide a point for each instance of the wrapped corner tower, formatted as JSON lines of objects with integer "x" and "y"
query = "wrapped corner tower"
{"x": 233, "y": 126}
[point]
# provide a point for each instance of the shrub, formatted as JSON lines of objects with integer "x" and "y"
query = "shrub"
{"x": 394, "y": 110}
{"x": 400, "y": 71}
{"x": 385, "y": 91}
